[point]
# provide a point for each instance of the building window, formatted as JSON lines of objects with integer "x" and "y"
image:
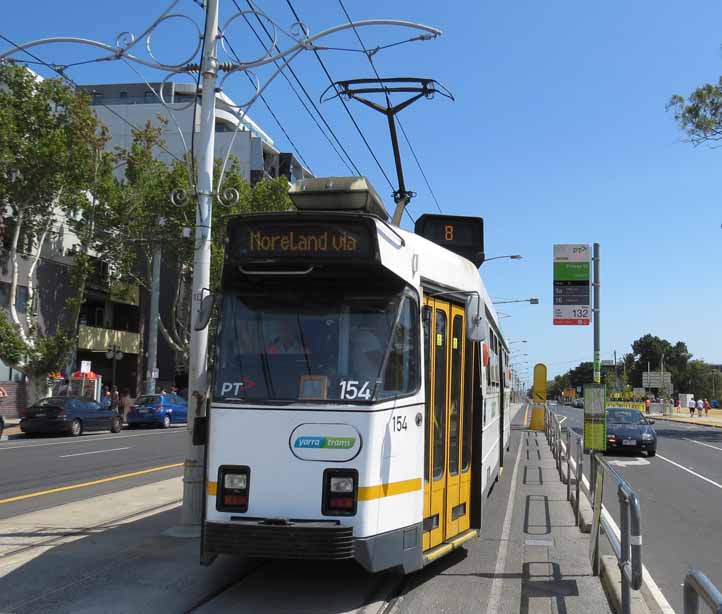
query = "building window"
{"x": 21, "y": 297}
{"x": 123, "y": 94}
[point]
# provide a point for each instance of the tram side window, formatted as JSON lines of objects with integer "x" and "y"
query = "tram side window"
{"x": 457, "y": 330}
{"x": 402, "y": 370}
{"x": 426, "y": 323}
{"x": 439, "y": 395}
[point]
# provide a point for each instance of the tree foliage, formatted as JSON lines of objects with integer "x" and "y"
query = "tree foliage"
{"x": 49, "y": 146}
{"x": 700, "y": 115}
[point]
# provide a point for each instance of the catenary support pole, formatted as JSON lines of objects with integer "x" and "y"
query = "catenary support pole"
{"x": 154, "y": 315}
{"x": 197, "y": 373}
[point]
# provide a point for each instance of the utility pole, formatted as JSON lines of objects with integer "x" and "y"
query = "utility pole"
{"x": 197, "y": 372}
{"x": 597, "y": 284}
{"x": 154, "y": 315}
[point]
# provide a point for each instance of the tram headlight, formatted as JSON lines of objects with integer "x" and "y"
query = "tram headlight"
{"x": 340, "y": 490}
{"x": 341, "y": 484}
{"x": 235, "y": 481}
{"x": 233, "y": 488}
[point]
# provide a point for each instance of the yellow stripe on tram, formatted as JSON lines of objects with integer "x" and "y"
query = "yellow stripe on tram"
{"x": 368, "y": 493}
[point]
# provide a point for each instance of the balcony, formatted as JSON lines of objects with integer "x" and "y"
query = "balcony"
{"x": 98, "y": 339}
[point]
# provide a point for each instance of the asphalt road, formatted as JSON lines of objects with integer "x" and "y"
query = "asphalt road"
{"x": 680, "y": 492}
{"x": 33, "y": 466}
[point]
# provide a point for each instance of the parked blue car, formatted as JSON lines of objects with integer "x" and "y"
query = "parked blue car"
{"x": 158, "y": 409}
{"x": 69, "y": 415}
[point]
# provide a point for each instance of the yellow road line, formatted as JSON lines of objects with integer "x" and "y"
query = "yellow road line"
{"x": 112, "y": 478}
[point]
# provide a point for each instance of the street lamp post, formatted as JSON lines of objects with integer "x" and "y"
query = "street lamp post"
{"x": 115, "y": 355}
{"x": 511, "y": 257}
{"x": 531, "y": 301}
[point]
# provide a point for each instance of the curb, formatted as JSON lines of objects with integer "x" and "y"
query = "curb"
{"x": 611, "y": 578}
{"x": 683, "y": 421}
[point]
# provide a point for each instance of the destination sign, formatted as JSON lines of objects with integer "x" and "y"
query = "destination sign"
{"x": 460, "y": 234}
{"x": 297, "y": 239}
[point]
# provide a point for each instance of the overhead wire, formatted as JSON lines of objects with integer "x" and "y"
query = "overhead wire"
{"x": 60, "y": 73}
{"x": 268, "y": 107}
{"x": 352, "y": 167}
{"x": 369, "y": 56}
{"x": 345, "y": 106}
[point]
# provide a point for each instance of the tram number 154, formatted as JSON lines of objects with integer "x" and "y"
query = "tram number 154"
{"x": 399, "y": 423}
{"x": 352, "y": 389}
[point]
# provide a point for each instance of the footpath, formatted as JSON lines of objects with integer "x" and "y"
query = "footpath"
{"x": 714, "y": 419}
{"x": 113, "y": 554}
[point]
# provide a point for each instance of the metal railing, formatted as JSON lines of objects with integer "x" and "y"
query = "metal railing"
{"x": 627, "y": 545}
{"x": 697, "y": 585}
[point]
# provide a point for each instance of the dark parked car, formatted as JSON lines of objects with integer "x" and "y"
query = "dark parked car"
{"x": 628, "y": 429}
{"x": 69, "y": 415}
{"x": 2, "y": 425}
{"x": 158, "y": 409}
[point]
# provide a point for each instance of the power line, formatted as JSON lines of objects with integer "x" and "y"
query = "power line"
{"x": 345, "y": 106}
{"x": 300, "y": 84}
{"x": 369, "y": 56}
{"x": 263, "y": 100}
{"x": 59, "y": 71}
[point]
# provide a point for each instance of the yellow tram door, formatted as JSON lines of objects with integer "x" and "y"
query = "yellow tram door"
{"x": 456, "y": 505}
{"x": 436, "y": 319}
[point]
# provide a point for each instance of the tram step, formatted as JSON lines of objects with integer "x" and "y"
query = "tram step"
{"x": 449, "y": 545}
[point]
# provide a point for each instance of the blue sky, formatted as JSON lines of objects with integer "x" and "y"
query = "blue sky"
{"x": 558, "y": 134}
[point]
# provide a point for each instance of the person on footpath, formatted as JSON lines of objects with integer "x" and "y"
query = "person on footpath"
{"x": 691, "y": 407}
{"x": 125, "y": 404}
{"x": 647, "y": 403}
{"x": 706, "y": 408}
{"x": 106, "y": 399}
{"x": 700, "y": 407}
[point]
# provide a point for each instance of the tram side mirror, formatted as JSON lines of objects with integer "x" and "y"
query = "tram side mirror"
{"x": 475, "y": 329}
{"x": 200, "y": 430}
{"x": 205, "y": 311}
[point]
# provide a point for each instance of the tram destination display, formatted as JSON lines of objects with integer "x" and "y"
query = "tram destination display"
{"x": 572, "y": 287}
{"x": 291, "y": 239}
{"x": 462, "y": 235}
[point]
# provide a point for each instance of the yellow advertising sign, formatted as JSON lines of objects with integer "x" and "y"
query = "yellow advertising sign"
{"x": 539, "y": 397}
{"x": 539, "y": 391}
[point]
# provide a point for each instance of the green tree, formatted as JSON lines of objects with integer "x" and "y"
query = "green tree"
{"x": 49, "y": 142}
{"x": 700, "y": 115}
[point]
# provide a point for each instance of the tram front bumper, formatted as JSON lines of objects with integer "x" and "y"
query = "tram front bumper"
{"x": 314, "y": 539}
{"x": 280, "y": 539}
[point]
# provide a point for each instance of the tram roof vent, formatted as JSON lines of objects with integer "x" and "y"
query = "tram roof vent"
{"x": 337, "y": 194}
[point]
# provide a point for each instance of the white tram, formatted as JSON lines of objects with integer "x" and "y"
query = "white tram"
{"x": 360, "y": 407}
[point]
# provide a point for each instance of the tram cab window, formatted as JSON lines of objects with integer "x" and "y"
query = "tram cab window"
{"x": 315, "y": 346}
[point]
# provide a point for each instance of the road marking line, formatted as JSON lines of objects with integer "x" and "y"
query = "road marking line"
{"x": 702, "y": 444}
{"x": 94, "y": 452}
{"x": 701, "y": 477}
{"x": 494, "y": 603}
{"x": 91, "y": 483}
{"x": 90, "y": 439}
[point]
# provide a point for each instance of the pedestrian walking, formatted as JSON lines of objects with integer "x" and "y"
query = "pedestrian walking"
{"x": 106, "y": 400}
{"x": 647, "y": 403}
{"x": 700, "y": 407}
{"x": 691, "y": 407}
{"x": 124, "y": 405}
{"x": 706, "y": 408}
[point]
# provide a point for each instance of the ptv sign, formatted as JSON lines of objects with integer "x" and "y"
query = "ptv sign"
{"x": 572, "y": 284}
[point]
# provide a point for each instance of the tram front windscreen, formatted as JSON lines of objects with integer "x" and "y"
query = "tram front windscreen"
{"x": 355, "y": 349}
